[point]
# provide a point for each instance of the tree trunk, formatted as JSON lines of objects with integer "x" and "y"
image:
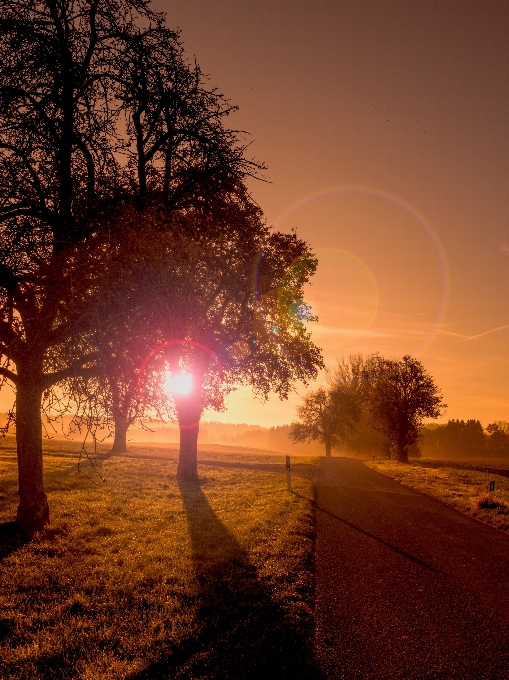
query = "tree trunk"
{"x": 402, "y": 453}
{"x": 33, "y": 509}
{"x": 328, "y": 448}
{"x": 189, "y": 414}
{"x": 120, "y": 438}
{"x": 188, "y": 455}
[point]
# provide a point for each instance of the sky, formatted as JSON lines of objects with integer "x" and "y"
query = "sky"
{"x": 383, "y": 126}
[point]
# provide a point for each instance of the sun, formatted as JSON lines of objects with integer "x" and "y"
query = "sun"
{"x": 178, "y": 383}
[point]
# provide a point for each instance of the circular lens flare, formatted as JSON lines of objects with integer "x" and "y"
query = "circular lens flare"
{"x": 343, "y": 295}
{"x": 179, "y": 383}
{"x": 424, "y": 227}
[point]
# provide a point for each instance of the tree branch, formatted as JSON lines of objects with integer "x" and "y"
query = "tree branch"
{"x": 9, "y": 375}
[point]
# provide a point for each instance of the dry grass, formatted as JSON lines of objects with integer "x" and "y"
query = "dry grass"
{"x": 463, "y": 488}
{"x": 140, "y": 576}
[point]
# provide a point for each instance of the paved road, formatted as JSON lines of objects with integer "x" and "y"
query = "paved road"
{"x": 406, "y": 587}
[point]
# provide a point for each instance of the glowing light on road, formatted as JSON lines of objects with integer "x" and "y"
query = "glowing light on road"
{"x": 178, "y": 383}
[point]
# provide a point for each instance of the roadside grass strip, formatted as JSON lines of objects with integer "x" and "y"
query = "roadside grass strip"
{"x": 462, "y": 488}
{"x": 140, "y": 575}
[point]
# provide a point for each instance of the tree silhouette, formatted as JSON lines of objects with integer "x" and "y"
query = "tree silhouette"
{"x": 182, "y": 285}
{"x": 401, "y": 394}
{"x": 497, "y": 443}
{"x": 329, "y": 416}
{"x": 232, "y": 333}
{"x": 458, "y": 438}
{"x": 98, "y": 111}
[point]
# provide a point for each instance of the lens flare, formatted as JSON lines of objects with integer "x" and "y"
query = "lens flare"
{"x": 351, "y": 311}
{"x": 179, "y": 383}
{"x": 418, "y": 224}
{"x": 183, "y": 348}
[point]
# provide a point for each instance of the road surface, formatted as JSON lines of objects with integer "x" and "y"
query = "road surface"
{"x": 406, "y": 586}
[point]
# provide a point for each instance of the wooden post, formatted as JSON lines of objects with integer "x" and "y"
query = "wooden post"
{"x": 288, "y": 474}
{"x": 491, "y": 492}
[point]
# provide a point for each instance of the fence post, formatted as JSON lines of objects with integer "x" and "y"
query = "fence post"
{"x": 491, "y": 492}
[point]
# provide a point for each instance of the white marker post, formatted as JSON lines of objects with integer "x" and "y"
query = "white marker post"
{"x": 491, "y": 492}
{"x": 288, "y": 474}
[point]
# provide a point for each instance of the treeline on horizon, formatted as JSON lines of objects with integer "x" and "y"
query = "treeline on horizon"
{"x": 454, "y": 439}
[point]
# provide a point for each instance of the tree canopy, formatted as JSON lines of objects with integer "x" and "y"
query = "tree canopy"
{"x": 401, "y": 393}
{"x": 99, "y": 112}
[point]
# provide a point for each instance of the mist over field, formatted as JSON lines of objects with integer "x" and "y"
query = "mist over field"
{"x": 228, "y": 434}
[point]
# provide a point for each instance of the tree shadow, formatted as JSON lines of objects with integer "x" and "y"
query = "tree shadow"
{"x": 306, "y": 470}
{"x": 12, "y": 538}
{"x": 242, "y": 631}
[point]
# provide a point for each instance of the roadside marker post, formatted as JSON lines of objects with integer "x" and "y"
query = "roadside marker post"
{"x": 491, "y": 492}
{"x": 288, "y": 474}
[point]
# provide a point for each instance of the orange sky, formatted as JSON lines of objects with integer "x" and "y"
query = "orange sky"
{"x": 384, "y": 126}
{"x": 384, "y": 129}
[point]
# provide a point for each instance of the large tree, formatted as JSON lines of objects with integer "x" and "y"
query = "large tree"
{"x": 98, "y": 111}
{"x": 401, "y": 394}
{"x": 224, "y": 331}
{"x": 170, "y": 279}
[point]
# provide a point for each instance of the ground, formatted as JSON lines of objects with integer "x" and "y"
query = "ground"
{"x": 139, "y": 575}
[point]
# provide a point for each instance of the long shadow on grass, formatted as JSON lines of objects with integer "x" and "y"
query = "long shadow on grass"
{"x": 12, "y": 537}
{"x": 243, "y": 634}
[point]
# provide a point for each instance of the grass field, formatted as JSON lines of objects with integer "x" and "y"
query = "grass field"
{"x": 464, "y": 486}
{"x": 140, "y": 576}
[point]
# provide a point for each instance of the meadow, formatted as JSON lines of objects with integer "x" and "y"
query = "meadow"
{"x": 462, "y": 485}
{"x": 140, "y": 575}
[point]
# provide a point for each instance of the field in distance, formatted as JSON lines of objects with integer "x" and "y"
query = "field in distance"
{"x": 141, "y": 576}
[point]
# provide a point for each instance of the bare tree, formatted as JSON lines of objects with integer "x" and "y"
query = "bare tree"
{"x": 329, "y": 416}
{"x": 98, "y": 110}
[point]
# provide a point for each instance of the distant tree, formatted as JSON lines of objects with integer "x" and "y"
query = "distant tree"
{"x": 349, "y": 375}
{"x": 503, "y": 425}
{"x": 498, "y": 439}
{"x": 456, "y": 439}
{"x": 365, "y": 441}
{"x": 329, "y": 416}
{"x": 98, "y": 111}
{"x": 401, "y": 395}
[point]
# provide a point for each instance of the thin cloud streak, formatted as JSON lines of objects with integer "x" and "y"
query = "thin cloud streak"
{"x": 328, "y": 330}
{"x": 493, "y": 330}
